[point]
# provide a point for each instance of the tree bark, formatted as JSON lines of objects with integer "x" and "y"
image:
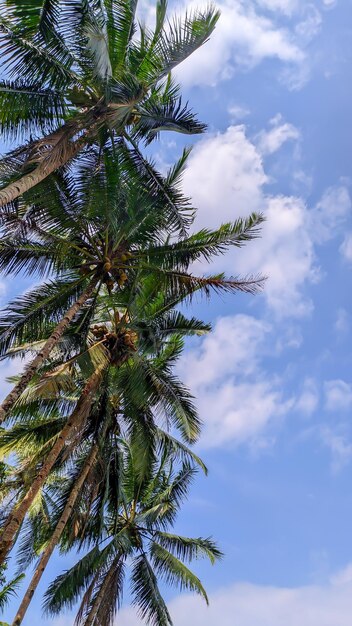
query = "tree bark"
{"x": 55, "y": 536}
{"x": 44, "y": 168}
{"x": 97, "y": 602}
{"x": 50, "y": 343}
{"x": 16, "y": 516}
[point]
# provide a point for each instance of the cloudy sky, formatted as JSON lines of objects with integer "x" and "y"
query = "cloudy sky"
{"x": 273, "y": 381}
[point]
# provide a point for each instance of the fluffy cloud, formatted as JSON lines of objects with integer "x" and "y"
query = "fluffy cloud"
{"x": 243, "y": 38}
{"x": 226, "y": 178}
{"x": 237, "y": 399}
{"x": 338, "y": 395}
{"x": 280, "y": 132}
{"x": 249, "y": 605}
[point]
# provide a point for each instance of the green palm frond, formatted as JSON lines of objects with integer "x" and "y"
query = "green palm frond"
{"x": 33, "y": 62}
{"x": 9, "y": 590}
{"x": 174, "y": 572}
{"x": 206, "y": 244}
{"x": 174, "y": 43}
{"x": 120, "y": 28}
{"x": 186, "y": 548}
{"x": 34, "y": 313}
{"x": 159, "y": 116}
{"x": 177, "y": 450}
{"x": 42, "y": 15}
{"x": 146, "y": 595}
{"x": 25, "y": 107}
{"x": 66, "y": 589}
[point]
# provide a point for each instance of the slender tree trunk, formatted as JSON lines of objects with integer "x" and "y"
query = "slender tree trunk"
{"x": 98, "y": 600}
{"x": 16, "y": 516}
{"x": 55, "y": 536}
{"x": 51, "y": 342}
{"x": 55, "y": 159}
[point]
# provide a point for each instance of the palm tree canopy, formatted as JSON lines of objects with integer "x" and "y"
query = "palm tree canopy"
{"x": 106, "y": 220}
{"x": 135, "y": 538}
{"x": 90, "y": 70}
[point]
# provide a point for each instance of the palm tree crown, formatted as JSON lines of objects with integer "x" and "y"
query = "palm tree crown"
{"x": 82, "y": 71}
{"x": 136, "y": 539}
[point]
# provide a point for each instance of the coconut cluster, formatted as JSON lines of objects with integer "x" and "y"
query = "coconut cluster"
{"x": 115, "y": 269}
{"x": 120, "y": 343}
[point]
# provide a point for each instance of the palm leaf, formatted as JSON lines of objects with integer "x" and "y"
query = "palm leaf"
{"x": 146, "y": 595}
{"x": 174, "y": 572}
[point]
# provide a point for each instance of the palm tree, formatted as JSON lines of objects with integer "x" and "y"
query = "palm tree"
{"x": 135, "y": 536}
{"x": 89, "y": 485}
{"x": 84, "y": 493}
{"x": 77, "y": 72}
{"x": 126, "y": 354}
{"x": 102, "y": 225}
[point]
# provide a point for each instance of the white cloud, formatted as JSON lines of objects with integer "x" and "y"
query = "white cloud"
{"x": 237, "y": 112}
{"x": 272, "y": 140}
{"x": 226, "y": 178}
{"x": 237, "y": 400}
{"x": 342, "y": 323}
{"x": 338, "y": 395}
{"x": 329, "y": 215}
{"x": 346, "y": 247}
{"x": 234, "y": 347}
{"x": 243, "y": 38}
{"x": 309, "y": 27}
{"x": 8, "y": 369}
{"x": 340, "y": 448}
{"x": 309, "y": 398}
{"x": 247, "y": 604}
{"x": 287, "y": 7}
{"x": 329, "y": 4}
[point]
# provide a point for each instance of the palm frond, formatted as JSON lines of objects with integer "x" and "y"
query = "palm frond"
{"x": 174, "y": 572}
{"x": 146, "y": 595}
{"x": 160, "y": 116}
{"x": 34, "y": 62}
{"x": 26, "y": 108}
{"x": 9, "y": 590}
{"x": 186, "y": 548}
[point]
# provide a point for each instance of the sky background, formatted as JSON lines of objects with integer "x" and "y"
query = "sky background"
{"x": 273, "y": 381}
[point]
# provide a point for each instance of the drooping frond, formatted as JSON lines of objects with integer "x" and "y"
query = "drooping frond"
{"x": 26, "y": 107}
{"x": 174, "y": 572}
{"x": 33, "y": 62}
{"x": 146, "y": 595}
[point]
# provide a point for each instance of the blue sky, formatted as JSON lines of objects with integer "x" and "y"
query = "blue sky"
{"x": 273, "y": 381}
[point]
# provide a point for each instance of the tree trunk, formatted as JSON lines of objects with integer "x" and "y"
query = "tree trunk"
{"x": 97, "y": 602}
{"x": 16, "y": 516}
{"x": 50, "y": 343}
{"x": 45, "y": 167}
{"x": 55, "y": 536}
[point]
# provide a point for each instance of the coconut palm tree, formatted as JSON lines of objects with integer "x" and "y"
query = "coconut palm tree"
{"x": 34, "y": 434}
{"x": 68, "y": 503}
{"x": 126, "y": 354}
{"x": 135, "y": 538}
{"x": 105, "y": 224}
{"x": 78, "y": 72}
